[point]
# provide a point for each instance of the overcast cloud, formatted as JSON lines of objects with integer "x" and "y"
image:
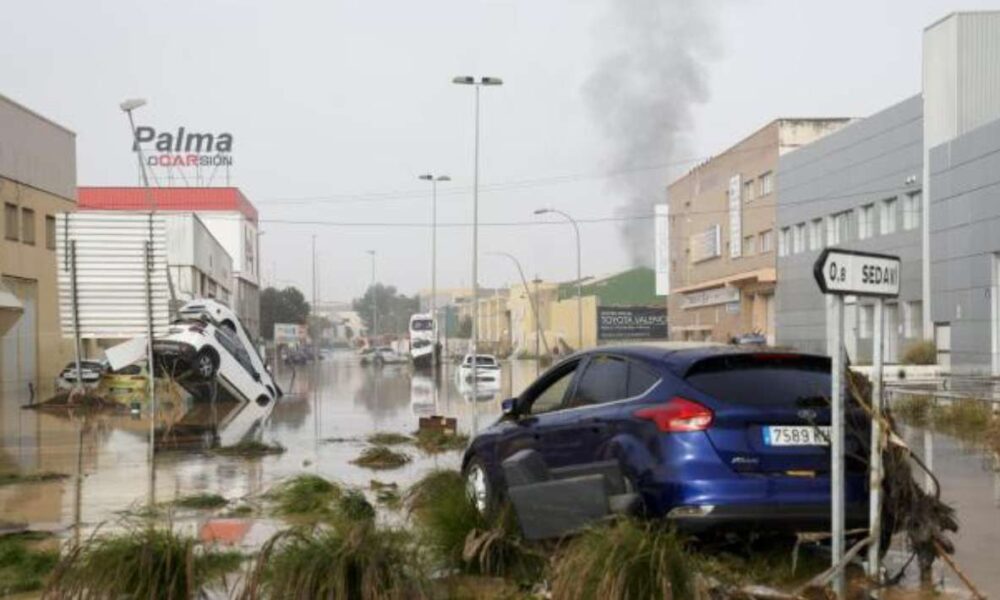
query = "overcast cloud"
{"x": 336, "y": 107}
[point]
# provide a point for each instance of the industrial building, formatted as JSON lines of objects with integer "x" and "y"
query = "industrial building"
{"x": 224, "y": 211}
{"x": 720, "y": 235}
{"x": 37, "y": 181}
{"x": 918, "y": 179}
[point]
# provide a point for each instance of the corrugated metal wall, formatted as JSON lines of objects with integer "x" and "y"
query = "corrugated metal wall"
{"x": 110, "y": 266}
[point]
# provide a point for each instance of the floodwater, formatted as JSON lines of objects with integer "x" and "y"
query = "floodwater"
{"x": 322, "y": 421}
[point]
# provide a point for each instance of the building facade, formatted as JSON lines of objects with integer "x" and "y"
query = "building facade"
{"x": 225, "y": 212}
{"x": 722, "y": 238}
{"x": 857, "y": 188}
{"x": 37, "y": 181}
{"x": 198, "y": 263}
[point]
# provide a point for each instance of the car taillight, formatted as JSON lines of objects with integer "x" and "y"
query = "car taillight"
{"x": 677, "y": 415}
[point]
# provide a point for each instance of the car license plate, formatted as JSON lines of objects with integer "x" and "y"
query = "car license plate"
{"x": 796, "y": 435}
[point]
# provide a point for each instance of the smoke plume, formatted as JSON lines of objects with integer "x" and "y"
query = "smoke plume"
{"x": 651, "y": 74}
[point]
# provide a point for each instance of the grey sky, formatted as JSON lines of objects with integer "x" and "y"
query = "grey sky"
{"x": 336, "y": 99}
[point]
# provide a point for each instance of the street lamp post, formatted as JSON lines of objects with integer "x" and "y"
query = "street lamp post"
{"x": 533, "y": 303}
{"x": 579, "y": 275}
{"x": 128, "y": 106}
{"x": 434, "y": 193}
{"x": 374, "y": 301}
{"x": 482, "y": 81}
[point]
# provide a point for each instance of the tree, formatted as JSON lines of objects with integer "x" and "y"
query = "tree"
{"x": 281, "y": 306}
{"x": 464, "y": 328}
{"x": 394, "y": 309}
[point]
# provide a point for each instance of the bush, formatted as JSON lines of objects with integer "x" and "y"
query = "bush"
{"x": 920, "y": 353}
{"x": 913, "y": 410}
{"x": 23, "y": 569}
{"x": 349, "y": 561}
{"x": 145, "y": 562}
{"x": 630, "y": 559}
{"x": 305, "y": 495}
{"x": 201, "y": 501}
{"x": 381, "y": 457}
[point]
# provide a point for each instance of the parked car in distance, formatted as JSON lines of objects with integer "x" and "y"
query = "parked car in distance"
{"x": 195, "y": 350}
{"x": 487, "y": 369}
{"x": 382, "y": 355}
{"x": 90, "y": 374}
{"x": 710, "y": 438}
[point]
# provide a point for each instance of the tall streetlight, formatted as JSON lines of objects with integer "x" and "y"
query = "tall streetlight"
{"x": 579, "y": 275}
{"x": 532, "y": 302}
{"x": 476, "y": 83}
{"x": 128, "y": 106}
{"x": 434, "y": 179}
{"x": 374, "y": 300}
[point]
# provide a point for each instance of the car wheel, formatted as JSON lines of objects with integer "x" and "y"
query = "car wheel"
{"x": 478, "y": 487}
{"x": 206, "y": 363}
{"x": 262, "y": 401}
{"x": 379, "y": 361}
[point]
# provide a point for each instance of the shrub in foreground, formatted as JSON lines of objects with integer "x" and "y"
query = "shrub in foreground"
{"x": 629, "y": 559}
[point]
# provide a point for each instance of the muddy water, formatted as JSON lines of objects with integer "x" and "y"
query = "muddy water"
{"x": 323, "y": 419}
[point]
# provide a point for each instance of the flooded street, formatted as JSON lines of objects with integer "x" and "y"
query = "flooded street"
{"x": 322, "y": 421}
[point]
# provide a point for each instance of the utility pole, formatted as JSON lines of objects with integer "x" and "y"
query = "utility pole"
{"x": 579, "y": 273}
{"x": 315, "y": 321}
{"x": 374, "y": 334}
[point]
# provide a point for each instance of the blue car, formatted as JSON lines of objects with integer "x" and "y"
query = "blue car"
{"x": 709, "y": 438}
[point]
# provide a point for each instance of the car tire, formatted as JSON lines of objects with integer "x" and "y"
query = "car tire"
{"x": 479, "y": 488}
{"x": 379, "y": 361}
{"x": 263, "y": 401}
{"x": 206, "y": 363}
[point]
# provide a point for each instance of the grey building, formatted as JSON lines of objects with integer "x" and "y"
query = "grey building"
{"x": 965, "y": 250}
{"x": 857, "y": 188}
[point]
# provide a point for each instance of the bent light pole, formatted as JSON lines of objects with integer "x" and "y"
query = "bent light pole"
{"x": 532, "y": 302}
{"x": 579, "y": 275}
{"x": 476, "y": 83}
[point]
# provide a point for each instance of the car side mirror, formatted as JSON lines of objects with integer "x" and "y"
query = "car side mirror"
{"x": 509, "y": 407}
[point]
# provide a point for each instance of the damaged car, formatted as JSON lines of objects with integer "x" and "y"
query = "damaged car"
{"x": 714, "y": 438}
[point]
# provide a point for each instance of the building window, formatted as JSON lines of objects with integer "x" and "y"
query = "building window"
{"x": 913, "y": 207}
{"x": 799, "y": 238}
{"x": 837, "y": 227}
{"x": 11, "y": 226}
{"x": 866, "y": 221}
{"x": 816, "y": 234}
{"x": 50, "y": 232}
{"x": 28, "y": 226}
{"x": 766, "y": 183}
{"x": 866, "y": 317}
{"x": 913, "y": 318}
{"x": 887, "y": 220}
{"x": 748, "y": 190}
{"x": 783, "y": 240}
{"x": 766, "y": 241}
{"x": 748, "y": 245}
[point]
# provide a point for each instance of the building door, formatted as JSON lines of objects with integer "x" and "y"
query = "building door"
{"x": 19, "y": 345}
{"x": 891, "y": 333}
{"x": 769, "y": 312}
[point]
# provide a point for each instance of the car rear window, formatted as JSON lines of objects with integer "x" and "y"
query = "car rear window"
{"x": 763, "y": 379}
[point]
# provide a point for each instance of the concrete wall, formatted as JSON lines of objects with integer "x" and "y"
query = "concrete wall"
{"x": 865, "y": 163}
{"x": 965, "y": 242}
{"x": 37, "y": 173}
{"x": 195, "y": 255}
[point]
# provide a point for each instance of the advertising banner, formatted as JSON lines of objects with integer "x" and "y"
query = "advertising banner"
{"x": 631, "y": 323}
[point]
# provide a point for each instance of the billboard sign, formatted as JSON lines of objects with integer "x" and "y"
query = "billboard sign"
{"x": 735, "y": 217}
{"x": 289, "y": 333}
{"x": 631, "y": 323}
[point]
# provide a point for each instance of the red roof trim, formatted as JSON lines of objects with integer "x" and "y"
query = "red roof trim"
{"x": 169, "y": 199}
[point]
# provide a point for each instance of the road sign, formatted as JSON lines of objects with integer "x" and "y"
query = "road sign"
{"x": 849, "y": 272}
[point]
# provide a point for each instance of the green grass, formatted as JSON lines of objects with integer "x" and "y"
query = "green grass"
{"x": 201, "y": 501}
{"x": 22, "y": 567}
{"x": 459, "y": 538}
{"x": 388, "y": 438}
{"x": 305, "y": 496}
{"x": 766, "y": 562}
{"x": 251, "y": 449}
{"x": 357, "y": 560}
{"x": 140, "y": 562}
{"x": 381, "y": 457}
{"x": 353, "y": 506}
{"x": 436, "y": 441}
{"x": 629, "y": 559}
{"x": 14, "y": 478}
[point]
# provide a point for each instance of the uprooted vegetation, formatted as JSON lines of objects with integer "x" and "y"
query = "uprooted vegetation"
{"x": 388, "y": 438}
{"x": 436, "y": 441}
{"x": 381, "y": 457}
{"x": 968, "y": 418}
{"x": 201, "y": 501}
{"x": 143, "y": 561}
{"x": 25, "y": 563}
{"x": 15, "y": 478}
{"x": 251, "y": 449}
